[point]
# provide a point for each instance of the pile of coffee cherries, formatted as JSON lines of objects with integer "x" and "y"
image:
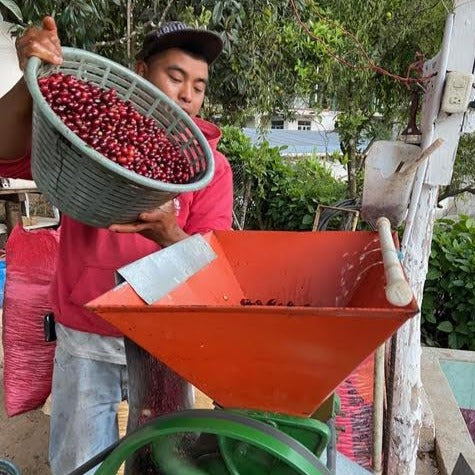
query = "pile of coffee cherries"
{"x": 115, "y": 128}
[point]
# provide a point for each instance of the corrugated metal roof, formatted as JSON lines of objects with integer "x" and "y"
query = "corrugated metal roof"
{"x": 298, "y": 141}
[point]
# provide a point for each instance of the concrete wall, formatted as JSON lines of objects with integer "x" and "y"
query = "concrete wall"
{"x": 9, "y": 71}
{"x": 452, "y": 207}
{"x": 452, "y": 436}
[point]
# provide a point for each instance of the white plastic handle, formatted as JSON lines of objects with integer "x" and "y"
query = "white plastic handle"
{"x": 398, "y": 290}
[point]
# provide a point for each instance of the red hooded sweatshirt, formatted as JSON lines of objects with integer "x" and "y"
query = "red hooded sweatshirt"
{"x": 89, "y": 257}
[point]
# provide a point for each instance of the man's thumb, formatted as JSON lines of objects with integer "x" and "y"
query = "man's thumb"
{"x": 49, "y": 23}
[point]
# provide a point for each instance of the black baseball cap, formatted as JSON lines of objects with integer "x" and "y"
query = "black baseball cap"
{"x": 175, "y": 34}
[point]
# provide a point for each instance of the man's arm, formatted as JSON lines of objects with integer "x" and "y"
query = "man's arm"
{"x": 15, "y": 106}
{"x": 15, "y": 122}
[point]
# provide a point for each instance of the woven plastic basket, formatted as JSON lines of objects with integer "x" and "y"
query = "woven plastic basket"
{"x": 83, "y": 183}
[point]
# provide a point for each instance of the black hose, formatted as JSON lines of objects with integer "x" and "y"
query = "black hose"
{"x": 96, "y": 460}
{"x": 328, "y": 214}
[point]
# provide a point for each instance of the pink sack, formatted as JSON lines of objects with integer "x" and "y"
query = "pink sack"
{"x": 28, "y": 359}
{"x": 356, "y": 398}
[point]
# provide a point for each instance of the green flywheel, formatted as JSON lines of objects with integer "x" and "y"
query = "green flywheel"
{"x": 244, "y": 446}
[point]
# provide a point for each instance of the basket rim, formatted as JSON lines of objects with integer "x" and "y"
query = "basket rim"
{"x": 31, "y": 80}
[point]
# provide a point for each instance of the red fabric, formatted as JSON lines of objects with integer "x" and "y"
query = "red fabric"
{"x": 20, "y": 168}
{"x": 28, "y": 359}
{"x": 88, "y": 257}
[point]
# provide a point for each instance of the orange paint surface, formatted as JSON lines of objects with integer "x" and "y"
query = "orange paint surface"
{"x": 279, "y": 359}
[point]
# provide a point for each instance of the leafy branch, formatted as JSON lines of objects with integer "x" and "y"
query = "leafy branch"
{"x": 13, "y": 8}
{"x": 138, "y": 29}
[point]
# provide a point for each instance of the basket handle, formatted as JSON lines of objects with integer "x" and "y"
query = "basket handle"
{"x": 398, "y": 291}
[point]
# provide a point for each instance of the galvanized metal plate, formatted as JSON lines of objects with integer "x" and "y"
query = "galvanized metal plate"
{"x": 157, "y": 274}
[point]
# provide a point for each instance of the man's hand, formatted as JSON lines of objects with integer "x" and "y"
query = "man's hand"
{"x": 159, "y": 225}
{"x": 43, "y": 43}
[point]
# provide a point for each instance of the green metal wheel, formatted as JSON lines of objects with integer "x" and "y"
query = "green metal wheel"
{"x": 245, "y": 446}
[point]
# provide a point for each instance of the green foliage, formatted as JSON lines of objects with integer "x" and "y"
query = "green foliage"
{"x": 463, "y": 178}
{"x": 262, "y": 63}
{"x": 266, "y": 61}
{"x": 269, "y": 60}
{"x": 390, "y": 32}
{"x": 101, "y": 25}
{"x": 77, "y": 21}
{"x": 10, "y": 8}
{"x": 284, "y": 192}
{"x": 448, "y": 307}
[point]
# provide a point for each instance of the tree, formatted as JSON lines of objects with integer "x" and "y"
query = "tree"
{"x": 370, "y": 104}
{"x": 10, "y": 9}
{"x": 272, "y": 191}
{"x": 257, "y": 73}
{"x": 278, "y": 51}
{"x": 259, "y": 70}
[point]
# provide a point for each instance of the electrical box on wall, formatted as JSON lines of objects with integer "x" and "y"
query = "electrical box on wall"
{"x": 458, "y": 87}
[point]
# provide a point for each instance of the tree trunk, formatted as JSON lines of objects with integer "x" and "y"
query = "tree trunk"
{"x": 129, "y": 32}
{"x": 351, "y": 168}
{"x": 404, "y": 405}
{"x": 246, "y": 200}
{"x": 451, "y": 193}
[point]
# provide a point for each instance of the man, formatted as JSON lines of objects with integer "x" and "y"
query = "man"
{"x": 89, "y": 378}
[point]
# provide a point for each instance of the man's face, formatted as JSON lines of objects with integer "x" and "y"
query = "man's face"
{"x": 182, "y": 77}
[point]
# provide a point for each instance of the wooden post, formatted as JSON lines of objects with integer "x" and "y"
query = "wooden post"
{"x": 12, "y": 209}
{"x": 12, "y": 215}
{"x": 404, "y": 411}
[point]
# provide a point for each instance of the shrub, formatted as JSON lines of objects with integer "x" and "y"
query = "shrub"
{"x": 283, "y": 194}
{"x": 448, "y": 307}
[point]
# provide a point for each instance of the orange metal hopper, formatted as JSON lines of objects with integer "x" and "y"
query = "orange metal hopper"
{"x": 279, "y": 359}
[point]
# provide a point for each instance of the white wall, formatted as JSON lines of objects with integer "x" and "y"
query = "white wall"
{"x": 325, "y": 121}
{"x": 9, "y": 71}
